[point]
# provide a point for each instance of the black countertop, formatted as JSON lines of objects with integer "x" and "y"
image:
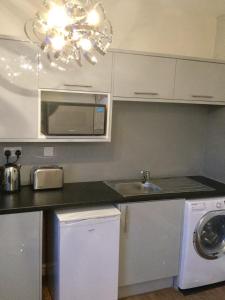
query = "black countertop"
{"x": 88, "y": 194}
{"x": 72, "y": 195}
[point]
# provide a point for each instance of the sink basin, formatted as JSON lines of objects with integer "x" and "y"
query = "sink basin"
{"x": 171, "y": 185}
{"x": 134, "y": 188}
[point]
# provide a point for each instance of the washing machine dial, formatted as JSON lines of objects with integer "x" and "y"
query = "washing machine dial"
{"x": 218, "y": 205}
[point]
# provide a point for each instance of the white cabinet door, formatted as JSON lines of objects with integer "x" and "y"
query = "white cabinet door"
{"x": 95, "y": 78}
{"x": 141, "y": 76}
{"x": 18, "y": 90}
{"x": 150, "y": 240}
{"x": 200, "y": 81}
{"x": 20, "y": 256}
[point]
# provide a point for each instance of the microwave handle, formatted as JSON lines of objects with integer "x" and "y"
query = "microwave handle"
{"x": 78, "y": 85}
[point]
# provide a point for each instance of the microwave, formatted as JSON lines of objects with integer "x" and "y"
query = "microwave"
{"x": 73, "y": 119}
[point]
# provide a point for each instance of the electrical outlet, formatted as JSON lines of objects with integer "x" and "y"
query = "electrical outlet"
{"x": 48, "y": 151}
{"x": 13, "y": 150}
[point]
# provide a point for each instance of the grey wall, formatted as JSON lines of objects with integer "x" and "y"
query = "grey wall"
{"x": 214, "y": 163}
{"x": 168, "y": 139}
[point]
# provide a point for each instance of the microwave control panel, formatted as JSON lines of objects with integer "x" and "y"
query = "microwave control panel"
{"x": 99, "y": 120}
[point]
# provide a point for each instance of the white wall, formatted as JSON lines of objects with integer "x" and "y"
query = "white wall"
{"x": 168, "y": 139}
{"x": 13, "y": 15}
{"x": 214, "y": 162}
{"x": 220, "y": 38}
{"x": 171, "y": 26}
{"x": 214, "y": 165}
{"x": 151, "y": 26}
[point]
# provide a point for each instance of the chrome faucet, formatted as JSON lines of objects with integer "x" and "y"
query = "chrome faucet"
{"x": 145, "y": 176}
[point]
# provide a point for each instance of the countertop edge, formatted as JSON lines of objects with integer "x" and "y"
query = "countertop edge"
{"x": 92, "y": 194}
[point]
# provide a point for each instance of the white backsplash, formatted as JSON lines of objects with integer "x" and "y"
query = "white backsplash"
{"x": 168, "y": 139}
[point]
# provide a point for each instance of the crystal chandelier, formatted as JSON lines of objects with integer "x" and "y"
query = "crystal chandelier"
{"x": 70, "y": 29}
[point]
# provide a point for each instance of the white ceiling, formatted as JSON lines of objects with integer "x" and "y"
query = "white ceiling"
{"x": 208, "y": 7}
{"x": 186, "y": 27}
{"x": 213, "y": 8}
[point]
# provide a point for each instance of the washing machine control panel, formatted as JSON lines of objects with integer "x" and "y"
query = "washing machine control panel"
{"x": 198, "y": 206}
{"x": 214, "y": 204}
{"x": 219, "y": 204}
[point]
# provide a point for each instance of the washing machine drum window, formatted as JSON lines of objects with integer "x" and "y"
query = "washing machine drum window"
{"x": 209, "y": 236}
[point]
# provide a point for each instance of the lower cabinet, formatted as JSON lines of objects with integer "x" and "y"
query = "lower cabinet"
{"x": 20, "y": 256}
{"x": 150, "y": 240}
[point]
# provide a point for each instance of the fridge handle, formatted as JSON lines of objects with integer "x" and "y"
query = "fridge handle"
{"x": 126, "y": 220}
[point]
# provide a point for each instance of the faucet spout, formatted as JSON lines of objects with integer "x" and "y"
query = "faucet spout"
{"x": 145, "y": 176}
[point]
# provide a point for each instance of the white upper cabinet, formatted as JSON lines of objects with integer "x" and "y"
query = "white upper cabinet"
{"x": 95, "y": 78}
{"x": 144, "y": 77}
{"x": 200, "y": 81}
{"x": 18, "y": 90}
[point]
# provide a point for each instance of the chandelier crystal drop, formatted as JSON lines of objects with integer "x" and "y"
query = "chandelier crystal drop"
{"x": 68, "y": 30}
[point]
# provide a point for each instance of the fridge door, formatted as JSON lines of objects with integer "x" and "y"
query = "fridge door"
{"x": 89, "y": 260}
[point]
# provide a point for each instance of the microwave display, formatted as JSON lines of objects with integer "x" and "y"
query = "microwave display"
{"x": 73, "y": 119}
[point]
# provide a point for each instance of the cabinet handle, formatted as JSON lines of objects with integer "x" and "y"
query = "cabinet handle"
{"x": 78, "y": 85}
{"x": 126, "y": 219}
{"x": 202, "y": 96}
{"x": 146, "y": 93}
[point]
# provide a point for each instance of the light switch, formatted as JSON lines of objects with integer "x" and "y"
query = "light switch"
{"x": 48, "y": 151}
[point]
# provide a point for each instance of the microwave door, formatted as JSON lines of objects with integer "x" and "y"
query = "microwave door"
{"x": 73, "y": 119}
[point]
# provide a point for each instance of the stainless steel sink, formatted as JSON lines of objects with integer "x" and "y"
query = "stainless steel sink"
{"x": 157, "y": 186}
{"x": 134, "y": 188}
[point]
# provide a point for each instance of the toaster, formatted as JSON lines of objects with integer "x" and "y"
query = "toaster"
{"x": 47, "y": 177}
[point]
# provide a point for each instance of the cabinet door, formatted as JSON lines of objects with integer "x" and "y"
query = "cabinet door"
{"x": 18, "y": 90}
{"x": 200, "y": 81}
{"x": 20, "y": 256}
{"x": 141, "y": 76}
{"x": 73, "y": 77}
{"x": 150, "y": 241}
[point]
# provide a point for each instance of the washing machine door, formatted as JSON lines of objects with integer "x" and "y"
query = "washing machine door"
{"x": 209, "y": 235}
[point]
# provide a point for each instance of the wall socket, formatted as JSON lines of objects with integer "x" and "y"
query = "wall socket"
{"x": 13, "y": 150}
{"x": 49, "y": 151}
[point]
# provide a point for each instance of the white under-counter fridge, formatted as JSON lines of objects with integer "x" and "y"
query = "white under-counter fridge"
{"x": 85, "y": 254}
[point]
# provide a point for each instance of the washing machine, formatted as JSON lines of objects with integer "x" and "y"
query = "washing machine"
{"x": 202, "y": 259}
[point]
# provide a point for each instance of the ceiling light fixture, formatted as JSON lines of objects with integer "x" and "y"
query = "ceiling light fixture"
{"x": 70, "y": 29}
